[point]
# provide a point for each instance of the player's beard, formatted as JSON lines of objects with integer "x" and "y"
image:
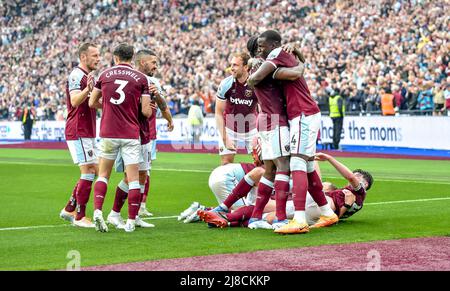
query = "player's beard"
{"x": 92, "y": 66}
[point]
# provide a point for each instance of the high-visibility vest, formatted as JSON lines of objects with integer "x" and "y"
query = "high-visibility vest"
{"x": 334, "y": 108}
{"x": 387, "y": 104}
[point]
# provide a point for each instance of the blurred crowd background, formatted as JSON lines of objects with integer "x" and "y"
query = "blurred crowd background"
{"x": 357, "y": 49}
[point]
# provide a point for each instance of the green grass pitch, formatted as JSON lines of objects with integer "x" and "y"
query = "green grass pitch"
{"x": 410, "y": 198}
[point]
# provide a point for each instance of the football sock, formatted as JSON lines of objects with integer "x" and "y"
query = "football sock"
{"x": 121, "y": 196}
{"x": 241, "y": 190}
{"x": 147, "y": 187}
{"x": 72, "y": 204}
{"x": 281, "y": 186}
{"x": 83, "y": 193}
{"x": 315, "y": 188}
{"x": 100, "y": 188}
{"x": 299, "y": 188}
{"x": 134, "y": 199}
{"x": 265, "y": 189}
{"x": 241, "y": 214}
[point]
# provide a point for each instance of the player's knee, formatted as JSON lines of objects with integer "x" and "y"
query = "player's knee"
{"x": 256, "y": 173}
{"x": 270, "y": 175}
{"x": 298, "y": 164}
{"x": 90, "y": 169}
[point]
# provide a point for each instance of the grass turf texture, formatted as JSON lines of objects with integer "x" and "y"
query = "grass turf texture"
{"x": 37, "y": 183}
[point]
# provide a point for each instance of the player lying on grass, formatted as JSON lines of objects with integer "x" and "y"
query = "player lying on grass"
{"x": 344, "y": 202}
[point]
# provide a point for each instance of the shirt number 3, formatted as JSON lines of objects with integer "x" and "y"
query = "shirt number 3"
{"x": 119, "y": 90}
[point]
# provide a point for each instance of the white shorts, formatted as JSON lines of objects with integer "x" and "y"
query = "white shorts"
{"x": 222, "y": 181}
{"x": 129, "y": 149}
{"x": 303, "y": 134}
{"x": 237, "y": 138}
{"x": 152, "y": 149}
{"x": 312, "y": 210}
{"x": 145, "y": 165}
{"x": 275, "y": 143}
{"x": 83, "y": 151}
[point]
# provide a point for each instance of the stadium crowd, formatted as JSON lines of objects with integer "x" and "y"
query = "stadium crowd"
{"x": 358, "y": 49}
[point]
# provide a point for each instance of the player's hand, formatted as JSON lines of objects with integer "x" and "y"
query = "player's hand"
{"x": 289, "y": 47}
{"x": 321, "y": 157}
{"x": 229, "y": 144}
{"x": 153, "y": 90}
{"x": 292, "y": 48}
{"x": 90, "y": 82}
{"x": 254, "y": 63}
{"x": 170, "y": 126}
{"x": 153, "y": 105}
{"x": 350, "y": 198}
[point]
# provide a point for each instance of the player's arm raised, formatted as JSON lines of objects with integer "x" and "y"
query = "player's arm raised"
{"x": 341, "y": 168}
{"x": 263, "y": 71}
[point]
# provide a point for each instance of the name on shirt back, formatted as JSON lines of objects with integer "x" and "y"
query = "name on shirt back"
{"x": 119, "y": 72}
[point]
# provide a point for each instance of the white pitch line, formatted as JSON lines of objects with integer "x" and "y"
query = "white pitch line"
{"x": 64, "y": 225}
{"x": 407, "y": 201}
{"x": 167, "y": 217}
{"x": 34, "y": 227}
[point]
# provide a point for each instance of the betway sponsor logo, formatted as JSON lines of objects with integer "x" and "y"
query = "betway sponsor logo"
{"x": 239, "y": 101}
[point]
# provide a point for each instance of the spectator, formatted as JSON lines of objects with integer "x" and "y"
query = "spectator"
{"x": 438, "y": 99}
{"x": 358, "y": 42}
{"x": 322, "y": 100}
{"x": 425, "y": 99}
{"x": 195, "y": 120}
{"x": 372, "y": 100}
{"x": 447, "y": 97}
{"x": 28, "y": 117}
{"x": 399, "y": 100}
{"x": 387, "y": 103}
{"x": 337, "y": 111}
{"x": 413, "y": 94}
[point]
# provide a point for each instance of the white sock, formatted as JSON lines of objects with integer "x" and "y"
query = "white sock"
{"x": 143, "y": 205}
{"x": 300, "y": 216}
{"x": 326, "y": 210}
{"x": 115, "y": 213}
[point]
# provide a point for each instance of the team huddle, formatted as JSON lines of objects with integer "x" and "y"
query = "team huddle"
{"x": 287, "y": 127}
{"x": 128, "y": 96}
{"x": 265, "y": 104}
